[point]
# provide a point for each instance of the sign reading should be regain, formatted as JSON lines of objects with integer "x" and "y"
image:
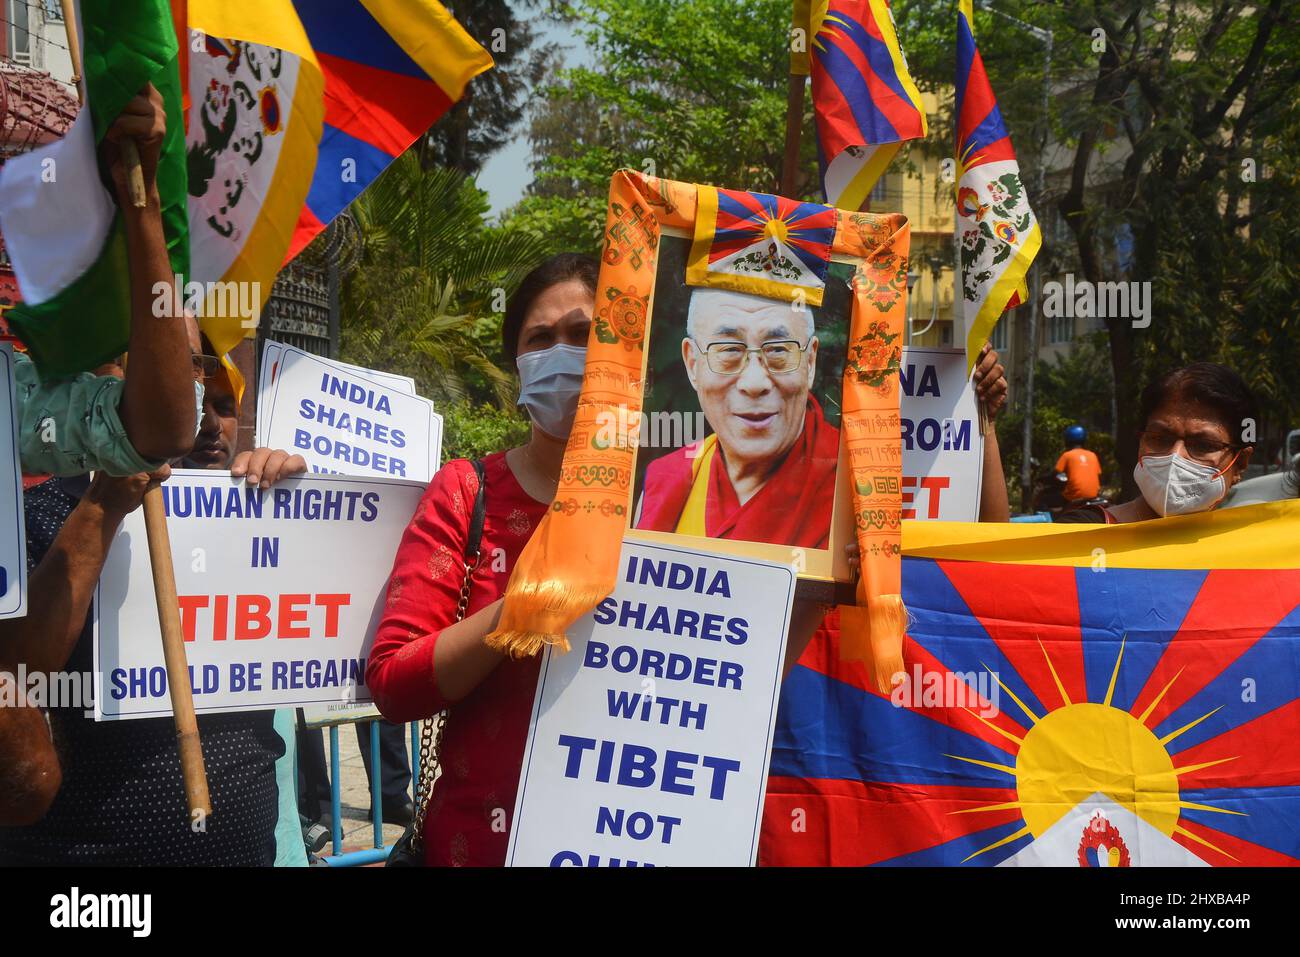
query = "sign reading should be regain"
{"x": 280, "y": 591}
{"x": 650, "y": 740}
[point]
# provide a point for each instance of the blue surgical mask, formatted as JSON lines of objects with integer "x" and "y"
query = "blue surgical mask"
{"x": 550, "y": 381}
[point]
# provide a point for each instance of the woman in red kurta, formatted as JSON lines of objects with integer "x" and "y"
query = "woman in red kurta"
{"x": 423, "y": 661}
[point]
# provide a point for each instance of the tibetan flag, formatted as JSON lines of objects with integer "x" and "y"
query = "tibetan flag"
{"x": 63, "y": 231}
{"x": 256, "y": 109}
{"x": 864, "y": 100}
{"x": 1072, "y": 696}
{"x": 392, "y": 68}
{"x": 760, "y": 244}
{"x": 997, "y": 231}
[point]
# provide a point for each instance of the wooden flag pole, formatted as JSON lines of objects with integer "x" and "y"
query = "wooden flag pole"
{"x": 793, "y": 130}
{"x": 155, "y": 522}
{"x": 173, "y": 641}
{"x": 74, "y": 46}
{"x": 130, "y": 152}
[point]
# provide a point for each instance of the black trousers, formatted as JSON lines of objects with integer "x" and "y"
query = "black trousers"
{"x": 313, "y": 772}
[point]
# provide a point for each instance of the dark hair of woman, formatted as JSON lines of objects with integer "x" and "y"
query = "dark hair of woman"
{"x": 1208, "y": 384}
{"x": 560, "y": 268}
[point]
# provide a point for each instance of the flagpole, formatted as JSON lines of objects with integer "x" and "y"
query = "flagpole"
{"x": 193, "y": 771}
{"x": 130, "y": 152}
{"x": 178, "y": 673}
{"x": 793, "y": 130}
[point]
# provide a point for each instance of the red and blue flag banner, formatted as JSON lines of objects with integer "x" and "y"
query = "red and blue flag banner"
{"x": 1073, "y": 696}
{"x": 865, "y": 103}
{"x": 997, "y": 231}
{"x": 392, "y": 68}
{"x": 761, "y": 244}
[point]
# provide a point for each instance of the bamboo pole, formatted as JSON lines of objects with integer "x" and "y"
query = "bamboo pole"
{"x": 74, "y": 45}
{"x": 130, "y": 152}
{"x": 155, "y": 520}
{"x": 173, "y": 641}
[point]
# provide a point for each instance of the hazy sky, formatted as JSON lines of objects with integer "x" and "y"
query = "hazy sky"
{"x": 507, "y": 174}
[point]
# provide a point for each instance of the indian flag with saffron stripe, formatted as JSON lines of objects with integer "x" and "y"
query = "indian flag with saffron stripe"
{"x": 63, "y": 231}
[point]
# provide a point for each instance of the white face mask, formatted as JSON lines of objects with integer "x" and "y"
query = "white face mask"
{"x": 550, "y": 381}
{"x": 1173, "y": 485}
{"x": 198, "y": 406}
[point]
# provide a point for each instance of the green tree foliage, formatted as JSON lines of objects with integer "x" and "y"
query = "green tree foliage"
{"x": 1174, "y": 129}
{"x": 471, "y": 431}
{"x": 1074, "y": 389}
{"x": 691, "y": 90}
{"x": 430, "y": 283}
{"x": 484, "y": 119}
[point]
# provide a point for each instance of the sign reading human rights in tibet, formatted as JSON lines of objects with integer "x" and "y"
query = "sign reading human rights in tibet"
{"x": 650, "y": 739}
{"x": 275, "y": 607}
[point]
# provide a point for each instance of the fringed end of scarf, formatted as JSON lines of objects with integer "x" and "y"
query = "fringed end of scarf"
{"x": 887, "y": 622}
{"x": 525, "y": 644}
{"x": 538, "y": 614}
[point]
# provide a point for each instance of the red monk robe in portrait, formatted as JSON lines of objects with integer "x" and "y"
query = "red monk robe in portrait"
{"x": 689, "y": 491}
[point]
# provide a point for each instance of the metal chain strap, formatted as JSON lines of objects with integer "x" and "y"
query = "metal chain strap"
{"x": 431, "y": 731}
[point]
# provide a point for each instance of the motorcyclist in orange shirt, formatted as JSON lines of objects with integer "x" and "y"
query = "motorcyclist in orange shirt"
{"x": 1079, "y": 466}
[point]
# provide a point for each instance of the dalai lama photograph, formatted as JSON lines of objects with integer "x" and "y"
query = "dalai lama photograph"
{"x": 757, "y": 378}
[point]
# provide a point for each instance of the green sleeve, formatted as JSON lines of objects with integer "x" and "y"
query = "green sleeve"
{"x": 71, "y": 426}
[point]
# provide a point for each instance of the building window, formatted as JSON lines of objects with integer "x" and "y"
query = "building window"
{"x": 999, "y": 336}
{"x": 1060, "y": 329}
{"x": 20, "y": 36}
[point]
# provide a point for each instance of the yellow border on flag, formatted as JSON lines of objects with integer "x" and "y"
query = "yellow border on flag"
{"x": 697, "y": 260}
{"x": 430, "y": 36}
{"x": 855, "y": 194}
{"x": 995, "y": 303}
{"x": 1255, "y": 536}
{"x": 260, "y": 258}
{"x": 885, "y": 23}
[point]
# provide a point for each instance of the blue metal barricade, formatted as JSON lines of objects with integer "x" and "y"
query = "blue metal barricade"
{"x": 379, "y": 852}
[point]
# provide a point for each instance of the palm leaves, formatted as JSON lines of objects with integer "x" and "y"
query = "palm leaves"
{"x": 431, "y": 281}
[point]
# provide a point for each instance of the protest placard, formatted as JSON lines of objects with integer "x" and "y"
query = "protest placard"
{"x": 344, "y": 422}
{"x": 943, "y": 450}
{"x": 280, "y": 591}
{"x": 272, "y": 352}
{"x": 650, "y": 740}
{"x": 13, "y": 537}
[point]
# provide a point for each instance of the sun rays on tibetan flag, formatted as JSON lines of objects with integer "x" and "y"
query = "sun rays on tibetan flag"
{"x": 997, "y": 231}
{"x": 865, "y": 103}
{"x": 255, "y": 121}
{"x": 392, "y": 68}
{"x": 761, "y": 244}
{"x": 1110, "y": 696}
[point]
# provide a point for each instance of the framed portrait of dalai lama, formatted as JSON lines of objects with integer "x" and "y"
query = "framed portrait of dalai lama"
{"x": 740, "y": 395}
{"x": 739, "y": 443}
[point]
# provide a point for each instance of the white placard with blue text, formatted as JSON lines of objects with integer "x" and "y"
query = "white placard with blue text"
{"x": 650, "y": 740}
{"x": 343, "y": 422}
{"x": 272, "y": 351}
{"x": 280, "y": 592}
{"x": 943, "y": 451}
{"x": 13, "y": 537}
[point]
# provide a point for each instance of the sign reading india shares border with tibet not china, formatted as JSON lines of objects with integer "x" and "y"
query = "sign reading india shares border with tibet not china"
{"x": 650, "y": 740}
